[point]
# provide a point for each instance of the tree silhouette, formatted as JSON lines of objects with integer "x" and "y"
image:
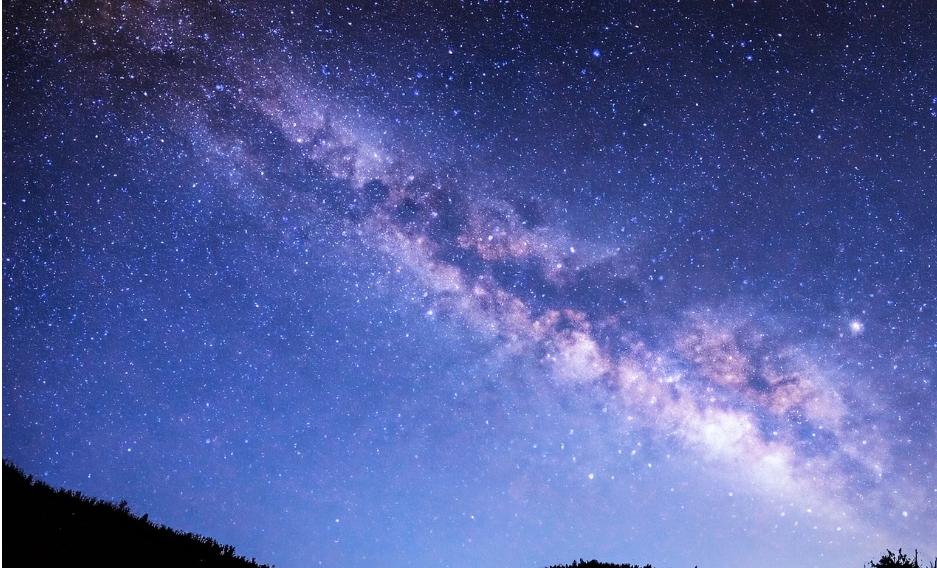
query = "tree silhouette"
{"x": 900, "y": 560}
{"x": 596, "y": 564}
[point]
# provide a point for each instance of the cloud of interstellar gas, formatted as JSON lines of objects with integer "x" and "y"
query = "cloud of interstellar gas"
{"x": 477, "y": 284}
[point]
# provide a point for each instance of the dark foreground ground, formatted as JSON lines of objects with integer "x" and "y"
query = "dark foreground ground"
{"x": 57, "y": 527}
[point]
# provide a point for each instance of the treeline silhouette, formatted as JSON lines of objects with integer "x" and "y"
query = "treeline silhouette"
{"x": 596, "y": 564}
{"x": 888, "y": 560}
{"x": 900, "y": 560}
{"x": 58, "y": 527}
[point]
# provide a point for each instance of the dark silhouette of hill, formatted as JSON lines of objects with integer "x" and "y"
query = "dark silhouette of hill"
{"x": 57, "y": 527}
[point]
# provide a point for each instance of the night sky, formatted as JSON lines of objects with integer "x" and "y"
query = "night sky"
{"x": 479, "y": 284}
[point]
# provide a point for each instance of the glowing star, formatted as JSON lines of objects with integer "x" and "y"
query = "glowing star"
{"x": 856, "y": 327}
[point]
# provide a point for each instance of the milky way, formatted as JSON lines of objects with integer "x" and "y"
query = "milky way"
{"x": 479, "y": 284}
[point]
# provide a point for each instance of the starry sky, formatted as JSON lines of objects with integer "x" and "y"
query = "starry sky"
{"x": 479, "y": 284}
